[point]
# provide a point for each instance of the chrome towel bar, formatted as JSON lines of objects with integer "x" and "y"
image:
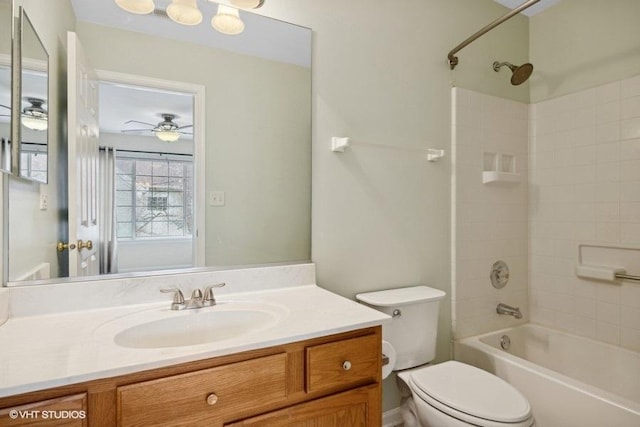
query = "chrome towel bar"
{"x": 627, "y": 277}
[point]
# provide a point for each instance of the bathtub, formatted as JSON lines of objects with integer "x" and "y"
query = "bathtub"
{"x": 569, "y": 380}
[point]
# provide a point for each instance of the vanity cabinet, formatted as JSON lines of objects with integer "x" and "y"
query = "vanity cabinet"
{"x": 332, "y": 381}
{"x": 67, "y": 411}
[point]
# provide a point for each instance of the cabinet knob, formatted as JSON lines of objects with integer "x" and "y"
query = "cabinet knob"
{"x": 346, "y": 365}
{"x": 212, "y": 399}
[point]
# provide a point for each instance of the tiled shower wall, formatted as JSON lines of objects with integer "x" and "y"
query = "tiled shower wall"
{"x": 585, "y": 189}
{"x": 489, "y": 221}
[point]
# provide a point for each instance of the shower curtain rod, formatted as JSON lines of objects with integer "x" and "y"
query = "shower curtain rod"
{"x": 453, "y": 60}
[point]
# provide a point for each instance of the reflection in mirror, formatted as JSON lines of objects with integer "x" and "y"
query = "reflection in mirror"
{"x": 34, "y": 119}
{"x": 150, "y": 134}
{"x": 256, "y": 129}
{"x": 6, "y": 38}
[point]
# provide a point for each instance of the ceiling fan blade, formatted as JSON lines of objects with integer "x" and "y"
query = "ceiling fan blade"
{"x": 136, "y": 130}
{"x": 136, "y": 121}
{"x": 185, "y": 133}
{"x": 2, "y": 105}
{"x": 186, "y": 126}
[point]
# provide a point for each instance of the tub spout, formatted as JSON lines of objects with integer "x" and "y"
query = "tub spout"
{"x": 507, "y": 309}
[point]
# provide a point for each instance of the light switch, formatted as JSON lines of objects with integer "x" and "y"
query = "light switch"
{"x": 216, "y": 198}
{"x": 44, "y": 202}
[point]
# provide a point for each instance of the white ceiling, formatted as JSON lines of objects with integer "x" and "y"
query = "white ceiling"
{"x": 536, "y": 8}
{"x": 120, "y": 103}
{"x": 263, "y": 37}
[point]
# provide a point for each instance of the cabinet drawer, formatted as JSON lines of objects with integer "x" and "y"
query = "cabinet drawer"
{"x": 354, "y": 408}
{"x": 68, "y": 411}
{"x": 196, "y": 398}
{"x": 342, "y": 364}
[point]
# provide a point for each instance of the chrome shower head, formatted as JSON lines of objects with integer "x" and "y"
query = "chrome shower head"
{"x": 520, "y": 73}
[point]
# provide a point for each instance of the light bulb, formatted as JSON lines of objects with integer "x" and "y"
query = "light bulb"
{"x": 139, "y": 7}
{"x": 184, "y": 12}
{"x": 247, "y": 4}
{"x": 227, "y": 21}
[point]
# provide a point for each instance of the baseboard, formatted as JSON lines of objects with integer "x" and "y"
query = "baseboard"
{"x": 392, "y": 418}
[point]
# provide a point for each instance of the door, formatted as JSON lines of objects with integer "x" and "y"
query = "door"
{"x": 83, "y": 133}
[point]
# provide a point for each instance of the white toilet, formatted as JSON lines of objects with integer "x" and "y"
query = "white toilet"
{"x": 448, "y": 394}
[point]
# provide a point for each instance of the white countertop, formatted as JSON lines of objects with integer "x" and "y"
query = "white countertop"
{"x": 40, "y": 352}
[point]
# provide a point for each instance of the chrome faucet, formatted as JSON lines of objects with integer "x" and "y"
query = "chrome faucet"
{"x": 508, "y": 310}
{"x": 198, "y": 298}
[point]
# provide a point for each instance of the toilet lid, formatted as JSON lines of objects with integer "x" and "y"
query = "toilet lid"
{"x": 472, "y": 391}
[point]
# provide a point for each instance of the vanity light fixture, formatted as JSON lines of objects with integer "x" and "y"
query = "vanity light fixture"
{"x": 139, "y": 7}
{"x": 227, "y": 21}
{"x": 167, "y": 135}
{"x": 247, "y": 4}
{"x": 184, "y": 12}
{"x": 35, "y": 117}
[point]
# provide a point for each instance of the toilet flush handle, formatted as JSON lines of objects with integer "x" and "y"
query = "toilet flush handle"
{"x": 396, "y": 313}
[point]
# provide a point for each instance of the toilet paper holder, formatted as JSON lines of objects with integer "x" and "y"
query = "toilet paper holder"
{"x": 385, "y": 359}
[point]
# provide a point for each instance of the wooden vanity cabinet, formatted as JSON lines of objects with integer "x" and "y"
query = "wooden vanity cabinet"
{"x": 332, "y": 381}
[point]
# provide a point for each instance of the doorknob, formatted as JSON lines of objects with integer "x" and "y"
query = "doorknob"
{"x": 62, "y": 246}
{"x": 85, "y": 245}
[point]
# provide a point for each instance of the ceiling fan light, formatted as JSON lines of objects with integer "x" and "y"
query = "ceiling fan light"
{"x": 167, "y": 135}
{"x": 227, "y": 21}
{"x": 247, "y": 4}
{"x": 139, "y": 7}
{"x": 184, "y": 12}
{"x": 34, "y": 122}
{"x": 34, "y": 116}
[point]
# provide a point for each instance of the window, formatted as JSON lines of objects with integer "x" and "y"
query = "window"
{"x": 33, "y": 161}
{"x": 154, "y": 196}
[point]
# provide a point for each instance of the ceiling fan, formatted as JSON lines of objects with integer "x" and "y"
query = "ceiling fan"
{"x": 167, "y": 130}
{"x": 34, "y": 117}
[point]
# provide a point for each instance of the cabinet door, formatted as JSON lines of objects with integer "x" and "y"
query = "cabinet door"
{"x": 68, "y": 411}
{"x": 343, "y": 364}
{"x": 355, "y": 408}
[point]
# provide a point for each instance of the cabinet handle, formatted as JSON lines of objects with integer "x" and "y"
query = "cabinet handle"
{"x": 346, "y": 365}
{"x": 212, "y": 399}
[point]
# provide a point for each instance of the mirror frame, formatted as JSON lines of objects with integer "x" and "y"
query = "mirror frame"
{"x": 10, "y": 65}
{"x": 23, "y": 20}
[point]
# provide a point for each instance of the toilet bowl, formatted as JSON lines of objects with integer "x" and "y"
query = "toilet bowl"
{"x": 449, "y": 394}
{"x": 454, "y": 394}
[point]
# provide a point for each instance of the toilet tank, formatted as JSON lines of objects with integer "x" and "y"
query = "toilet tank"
{"x": 413, "y": 329}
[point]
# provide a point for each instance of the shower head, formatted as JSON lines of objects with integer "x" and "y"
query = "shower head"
{"x": 520, "y": 73}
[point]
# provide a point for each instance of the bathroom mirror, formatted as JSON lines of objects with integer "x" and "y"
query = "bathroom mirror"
{"x": 6, "y": 37}
{"x": 257, "y": 172}
{"x": 34, "y": 89}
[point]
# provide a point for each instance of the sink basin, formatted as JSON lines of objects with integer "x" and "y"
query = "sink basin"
{"x": 165, "y": 328}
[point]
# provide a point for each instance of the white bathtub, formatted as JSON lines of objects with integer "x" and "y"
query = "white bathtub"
{"x": 569, "y": 380}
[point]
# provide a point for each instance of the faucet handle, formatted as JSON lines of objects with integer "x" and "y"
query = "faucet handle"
{"x": 209, "y": 298}
{"x": 178, "y": 298}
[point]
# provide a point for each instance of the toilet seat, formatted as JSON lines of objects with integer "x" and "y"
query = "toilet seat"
{"x": 471, "y": 395}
